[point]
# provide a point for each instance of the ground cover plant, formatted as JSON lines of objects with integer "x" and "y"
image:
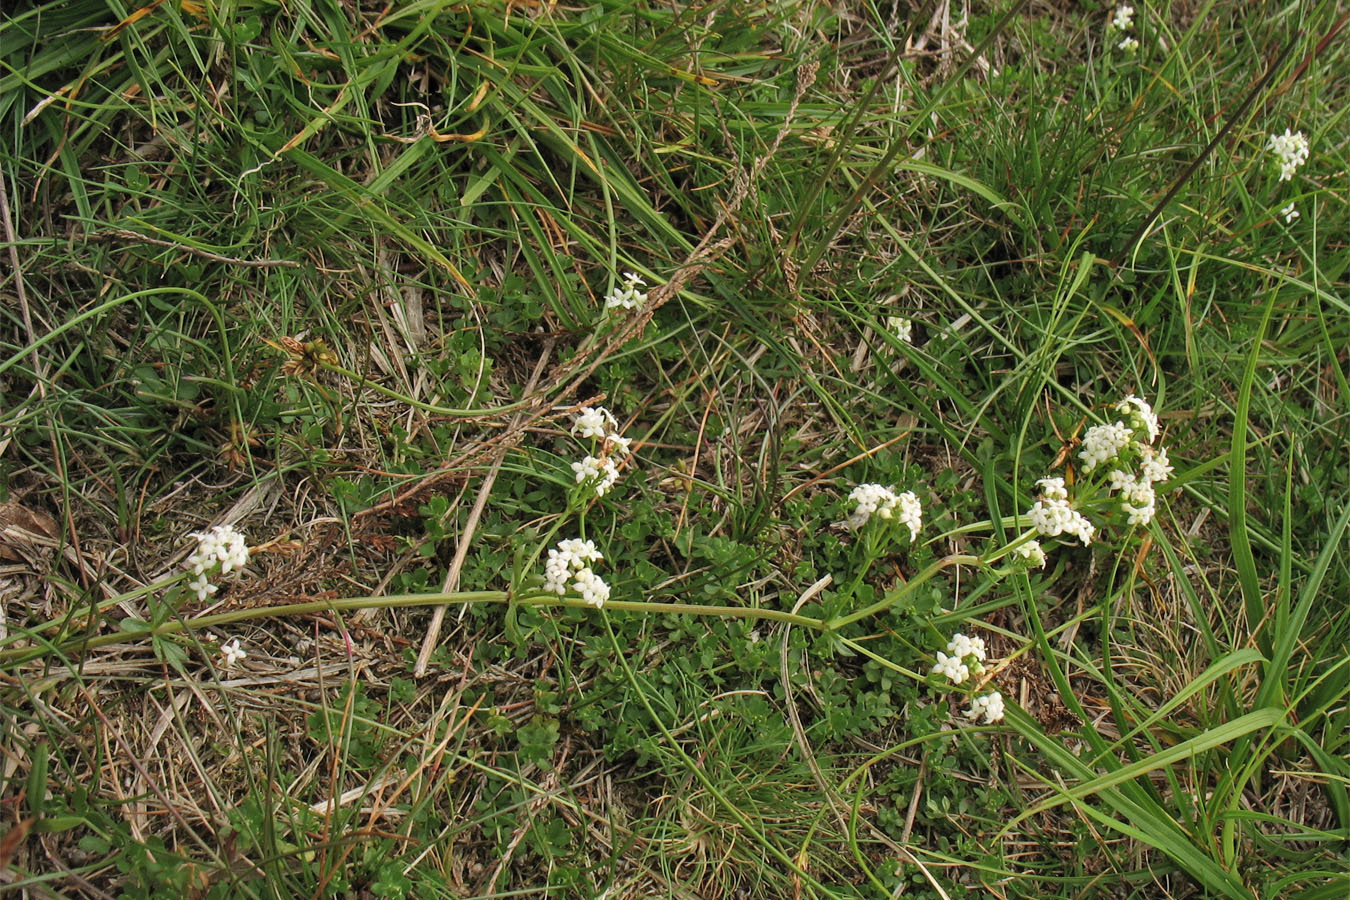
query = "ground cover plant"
{"x": 674, "y": 450}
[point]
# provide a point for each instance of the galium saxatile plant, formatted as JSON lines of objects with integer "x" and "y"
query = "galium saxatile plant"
{"x": 964, "y": 659}
{"x": 878, "y": 500}
{"x": 1122, "y": 457}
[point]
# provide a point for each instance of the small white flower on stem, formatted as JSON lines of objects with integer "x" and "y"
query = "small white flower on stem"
{"x": 593, "y": 422}
{"x": 1052, "y": 516}
{"x": 231, "y": 653}
{"x": 911, "y": 514}
{"x": 1102, "y": 443}
{"x": 1156, "y": 467}
{"x": 591, "y": 587}
{"x": 962, "y": 646}
{"x": 1129, "y": 45}
{"x": 1289, "y": 213}
{"x": 600, "y": 472}
{"x": 1140, "y": 416}
{"x": 901, "y": 327}
{"x": 1124, "y": 18}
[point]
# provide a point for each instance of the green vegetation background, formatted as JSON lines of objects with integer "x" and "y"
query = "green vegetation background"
{"x": 318, "y": 269}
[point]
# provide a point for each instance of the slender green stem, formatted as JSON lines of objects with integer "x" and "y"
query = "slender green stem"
{"x": 18, "y": 655}
{"x": 891, "y": 597}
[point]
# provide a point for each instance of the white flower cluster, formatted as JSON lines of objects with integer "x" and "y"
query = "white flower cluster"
{"x": 885, "y": 503}
{"x": 963, "y": 657}
{"x": 901, "y": 327}
{"x": 223, "y": 546}
{"x": 571, "y": 561}
{"x": 1052, "y": 516}
{"x": 990, "y": 707}
{"x": 1137, "y": 498}
{"x": 1123, "y": 20}
{"x": 1290, "y": 214}
{"x": 1291, "y": 150}
{"x": 1104, "y": 442}
{"x": 628, "y": 296}
{"x": 602, "y": 472}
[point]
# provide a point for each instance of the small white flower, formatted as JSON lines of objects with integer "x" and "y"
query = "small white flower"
{"x": 202, "y": 587}
{"x": 1289, "y": 213}
{"x": 990, "y": 707}
{"x": 579, "y": 552}
{"x": 901, "y": 327}
{"x": 1137, "y": 498}
{"x": 1291, "y": 150}
{"x": 618, "y": 444}
{"x": 1103, "y": 443}
{"x": 231, "y": 653}
{"x": 1128, "y": 45}
{"x": 568, "y": 565}
{"x": 593, "y": 422}
{"x": 951, "y": 666}
{"x": 628, "y": 296}
{"x": 591, "y": 587}
{"x": 557, "y": 570}
{"x": 1032, "y": 553}
{"x": 1124, "y": 18}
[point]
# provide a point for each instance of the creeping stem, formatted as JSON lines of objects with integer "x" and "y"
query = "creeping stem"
{"x": 535, "y": 598}
{"x": 954, "y": 559}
